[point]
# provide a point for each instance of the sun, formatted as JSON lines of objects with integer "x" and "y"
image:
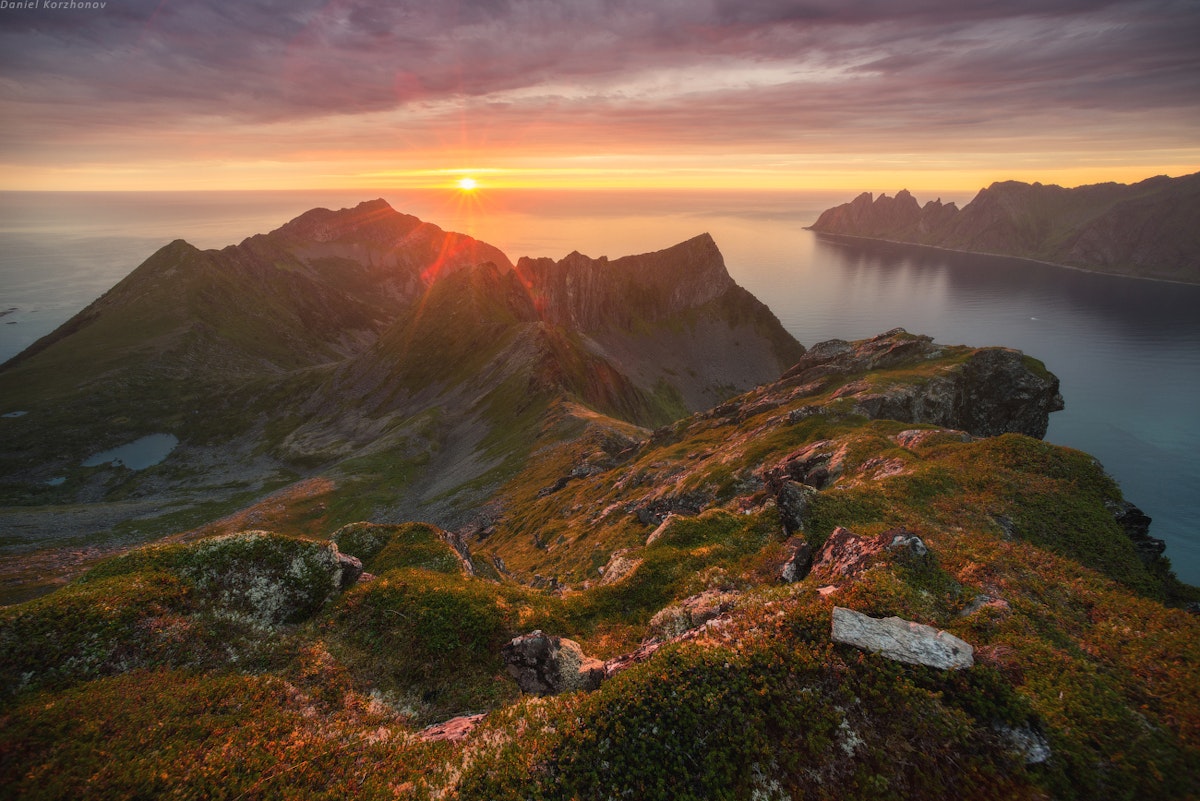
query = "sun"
{"x": 467, "y": 184}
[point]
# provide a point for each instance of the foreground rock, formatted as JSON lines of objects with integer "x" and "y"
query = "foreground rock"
{"x": 266, "y": 577}
{"x": 546, "y": 665}
{"x": 451, "y": 730}
{"x": 691, "y": 613}
{"x": 847, "y": 555}
{"x": 902, "y": 640}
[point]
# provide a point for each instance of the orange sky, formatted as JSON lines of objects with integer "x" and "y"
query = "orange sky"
{"x": 756, "y": 94}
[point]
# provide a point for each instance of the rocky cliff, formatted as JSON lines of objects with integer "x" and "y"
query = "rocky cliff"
{"x": 1149, "y": 229}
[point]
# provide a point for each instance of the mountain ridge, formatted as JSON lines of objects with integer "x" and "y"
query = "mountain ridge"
{"x": 1148, "y": 229}
{"x": 339, "y": 331}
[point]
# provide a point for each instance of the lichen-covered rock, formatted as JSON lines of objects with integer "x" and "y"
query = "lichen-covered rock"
{"x": 546, "y": 665}
{"x": 902, "y": 640}
{"x": 793, "y": 500}
{"x": 691, "y": 613}
{"x": 619, "y": 565}
{"x": 1026, "y": 741}
{"x": 845, "y": 554}
{"x": 798, "y": 557}
{"x": 266, "y": 578}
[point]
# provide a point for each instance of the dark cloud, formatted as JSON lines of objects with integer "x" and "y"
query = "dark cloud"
{"x": 755, "y": 71}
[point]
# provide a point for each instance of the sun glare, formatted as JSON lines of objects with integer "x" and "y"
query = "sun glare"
{"x": 467, "y": 184}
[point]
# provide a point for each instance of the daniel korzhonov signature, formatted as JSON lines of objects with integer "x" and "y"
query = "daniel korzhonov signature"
{"x": 53, "y": 5}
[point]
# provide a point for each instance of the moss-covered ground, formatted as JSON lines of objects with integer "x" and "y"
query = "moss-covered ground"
{"x": 238, "y": 667}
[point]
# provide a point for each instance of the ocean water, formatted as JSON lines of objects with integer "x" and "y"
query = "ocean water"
{"x": 1127, "y": 351}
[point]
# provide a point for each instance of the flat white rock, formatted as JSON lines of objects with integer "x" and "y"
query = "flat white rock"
{"x": 902, "y": 640}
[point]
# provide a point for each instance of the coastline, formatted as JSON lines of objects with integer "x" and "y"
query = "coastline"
{"x": 1073, "y": 267}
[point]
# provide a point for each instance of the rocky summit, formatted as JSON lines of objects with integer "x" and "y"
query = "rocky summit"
{"x": 1149, "y": 229}
{"x": 564, "y": 530}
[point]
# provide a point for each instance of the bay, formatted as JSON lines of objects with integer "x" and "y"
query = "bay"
{"x": 1127, "y": 351}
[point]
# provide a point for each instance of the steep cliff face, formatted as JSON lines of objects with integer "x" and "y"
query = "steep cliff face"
{"x": 1146, "y": 229}
{"x": 595, "y": 294}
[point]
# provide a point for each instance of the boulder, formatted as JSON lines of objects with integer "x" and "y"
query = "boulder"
{"x": 798, "y": 557}
{"x": 902, "y": 640}
{"x": 619, "y": 565}
{"x": 908, "y": 543}
{"x": 1027, "y": 742}
{"x": 546, "y": 665}
{"x": 451, "y": 730}
{"x": 267, "y": 578}
{"x": 352, "y": 569}
{"x": 691, "y": 613}
{"x": 793, "y": 500}
{"x": 845, "y": 554}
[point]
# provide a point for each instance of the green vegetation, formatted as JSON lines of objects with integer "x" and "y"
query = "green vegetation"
{"x": 245, "y": 666}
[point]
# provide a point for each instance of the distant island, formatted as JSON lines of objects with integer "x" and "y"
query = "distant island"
{"x": 1150, "y": 229}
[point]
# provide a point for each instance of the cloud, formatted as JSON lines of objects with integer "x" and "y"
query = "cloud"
{"x": 592, "y": 73}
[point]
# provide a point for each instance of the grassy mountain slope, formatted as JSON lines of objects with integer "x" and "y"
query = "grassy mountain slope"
{"x": 247, "y": 666}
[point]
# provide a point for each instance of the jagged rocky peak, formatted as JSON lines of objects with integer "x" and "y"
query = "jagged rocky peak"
{"x": 876, "y": 215}
{"x": 1146, "y": 229}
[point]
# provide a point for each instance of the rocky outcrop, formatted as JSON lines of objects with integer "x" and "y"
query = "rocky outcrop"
{"x": 816, "y": 465}
{"x": 620, "y": 564}
{"x": 797, "y": 561}
{"x": 266, "y": 578}
{"x": 1136, "y": 525}
{"x": 846, "y": 555}
{"x": 546, "y": 665}
{"x": 452, "y": 730}
{"x": 793, "y": 500}
{"x": 691, "y": 613}
{"x": 991, "y": 391}
{"x": 902, "y": 640}
{"x": 1151, "y": 228}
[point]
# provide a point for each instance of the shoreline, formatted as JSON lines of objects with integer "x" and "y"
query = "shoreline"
{"x": 1073, "y": 267}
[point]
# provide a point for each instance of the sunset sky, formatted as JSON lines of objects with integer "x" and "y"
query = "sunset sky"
{"x": 771, "y": 94}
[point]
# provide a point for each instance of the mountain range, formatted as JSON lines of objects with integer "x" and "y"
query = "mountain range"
{"x": 1150, "y": 229}
{"x": 435, "y": 524}
{"x": 360, "y": 338}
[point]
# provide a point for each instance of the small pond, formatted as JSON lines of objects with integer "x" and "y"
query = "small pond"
{"x": 137, "y": 455}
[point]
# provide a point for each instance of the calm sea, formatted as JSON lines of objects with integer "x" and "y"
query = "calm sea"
{"x": 1127, "y": 351}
